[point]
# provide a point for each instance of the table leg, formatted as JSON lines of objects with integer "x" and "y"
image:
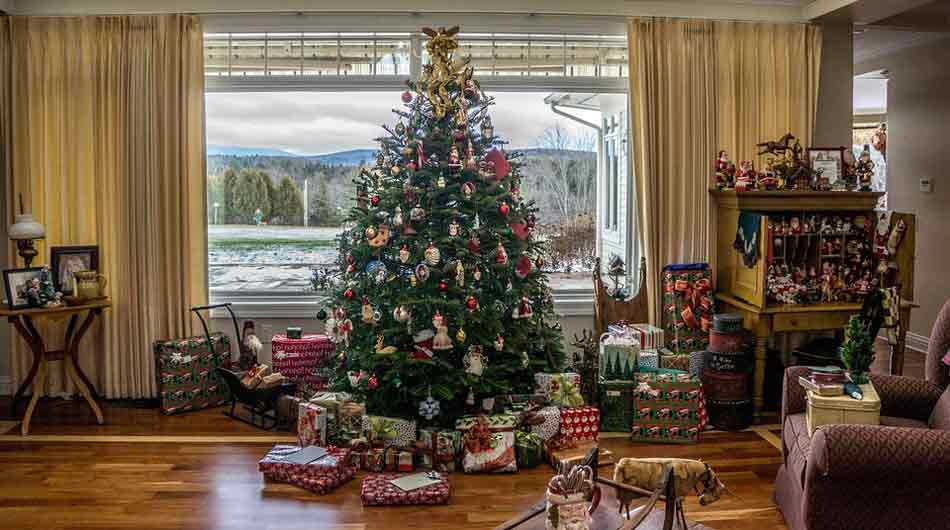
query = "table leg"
{"x": 897, "y": 350}
{"x": 72, "y": 347}
{"x": 38, "y": 348}
{"x": 37, "y": 391}
{"x": 72, "y": 364}
{"x": 762, "y": 331}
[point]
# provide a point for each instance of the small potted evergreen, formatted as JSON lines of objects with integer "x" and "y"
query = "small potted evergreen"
{"x": 857, "y": 352}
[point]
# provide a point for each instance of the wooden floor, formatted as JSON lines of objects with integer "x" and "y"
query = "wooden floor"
{"x": 145, "y": 471}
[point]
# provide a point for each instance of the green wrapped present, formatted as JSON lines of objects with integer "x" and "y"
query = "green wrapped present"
{"x": 616, "y": 406}
{"x": 528, "y": 449}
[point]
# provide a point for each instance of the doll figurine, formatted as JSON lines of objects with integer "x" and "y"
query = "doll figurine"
{"x": 454, "y": 161}
{"x": 746, "y": 177}
{"x": 767, "y": 179}
{"x": 441, "y": 341}
{"x": 864, "y": 170}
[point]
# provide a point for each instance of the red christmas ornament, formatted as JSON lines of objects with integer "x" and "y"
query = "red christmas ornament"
{"x": 523, "y": 267}
{"x": 407, "y": 97}
{"x": 520, "y": 230}
{"x": 503, "y": 209}
{"x": 443, "y": 286}
{"x": 373, "y": 383}
{"x": 348, "y": 293}
{"x": 502, "y": 167}
{"x": 471, "y": 303}
{"x": 412, "y": 166}
{"x": 374, "y": 200}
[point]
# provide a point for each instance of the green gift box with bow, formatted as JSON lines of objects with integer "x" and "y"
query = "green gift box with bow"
{"x": 528, "y": 449}
{"x": 386, "y": 431}
{"x": 563, "y": 389}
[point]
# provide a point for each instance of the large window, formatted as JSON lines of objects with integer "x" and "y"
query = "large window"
{"x": 285, "y": 137}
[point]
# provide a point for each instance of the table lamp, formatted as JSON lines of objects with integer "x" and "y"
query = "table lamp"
{"x": 24, "y": 231}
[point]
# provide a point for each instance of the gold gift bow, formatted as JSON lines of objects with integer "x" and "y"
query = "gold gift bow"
{"x": 567, "y": 392}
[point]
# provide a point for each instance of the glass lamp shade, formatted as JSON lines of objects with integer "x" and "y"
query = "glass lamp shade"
{"x": 26, "y": 227}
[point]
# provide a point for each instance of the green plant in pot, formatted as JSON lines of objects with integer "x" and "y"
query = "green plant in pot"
{"x": 857, "y": 352}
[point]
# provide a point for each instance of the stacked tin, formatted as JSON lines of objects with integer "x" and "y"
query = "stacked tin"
{"x": 727, "y": 368}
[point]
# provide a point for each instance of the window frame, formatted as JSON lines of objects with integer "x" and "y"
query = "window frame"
{"x": 568, "y": 301}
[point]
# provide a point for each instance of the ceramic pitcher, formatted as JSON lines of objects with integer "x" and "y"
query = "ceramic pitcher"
{"x": 89, "y": 285}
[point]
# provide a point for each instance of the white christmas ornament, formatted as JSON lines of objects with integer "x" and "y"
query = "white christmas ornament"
{"x": 432, "y": 255}
{"x": 474, "y": 360}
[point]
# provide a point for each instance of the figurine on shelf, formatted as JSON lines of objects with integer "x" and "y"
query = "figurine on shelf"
{"x": 795, "y": 226}
{"x": 725, "y": 171}
{"x": 746, "y": 177}
{"x": 864, "y": 169}
{"x": 767, "y": 178}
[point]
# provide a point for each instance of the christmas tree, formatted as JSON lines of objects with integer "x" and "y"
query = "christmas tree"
{"x": 440, "y": 291}
{"x": 857, "y": 351}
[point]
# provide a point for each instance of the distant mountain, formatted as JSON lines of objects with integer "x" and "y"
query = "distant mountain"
{"x": 231, "y": 150}
{"x": 353, "y": 157}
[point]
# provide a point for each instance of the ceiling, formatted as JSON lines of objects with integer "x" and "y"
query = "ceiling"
{"x": 915, "y": 26}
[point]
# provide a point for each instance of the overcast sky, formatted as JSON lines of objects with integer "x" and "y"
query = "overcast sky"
{"x": 316, "y": 123}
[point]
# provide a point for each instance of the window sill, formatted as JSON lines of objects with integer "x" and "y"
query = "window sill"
{"x": 567, "y": 303}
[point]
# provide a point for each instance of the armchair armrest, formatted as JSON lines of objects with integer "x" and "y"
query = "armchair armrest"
{"x": 793, "y": 394}
{"x": 872, "y": 453}
{"x": 906, "y": 397}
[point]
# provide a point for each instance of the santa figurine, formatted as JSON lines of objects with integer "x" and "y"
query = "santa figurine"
{"x": 474, "y": 360}
{"x": 455, "y": 161}
{"x": 725, "y": 171}
{"x": 441, "y": 341}
{"x": 746, "y": 177}
{"x": 423, "y": 344}
{"x": 523, "y": 310}
{"x": 864, "y": 169}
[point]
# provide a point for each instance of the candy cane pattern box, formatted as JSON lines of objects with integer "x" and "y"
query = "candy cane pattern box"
{"x": 299, "y": 359}
{"x": 320, "y": 476}
{"x": 377, "y": 490}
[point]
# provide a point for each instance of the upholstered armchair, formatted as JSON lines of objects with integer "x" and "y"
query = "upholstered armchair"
{"x": 889, "y": 476}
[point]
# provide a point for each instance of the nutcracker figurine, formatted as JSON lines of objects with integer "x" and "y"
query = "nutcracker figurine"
{"x": 746, "y": 177}
{"x": 725, "y": 171}
{"x": 864, "y": 169}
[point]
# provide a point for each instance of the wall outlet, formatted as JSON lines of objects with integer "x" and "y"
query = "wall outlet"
{"x": 926, "y": 185}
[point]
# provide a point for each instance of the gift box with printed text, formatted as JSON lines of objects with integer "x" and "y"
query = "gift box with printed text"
{"x": 299, "y": 360}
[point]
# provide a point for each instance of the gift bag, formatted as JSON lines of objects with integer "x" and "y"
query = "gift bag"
{"x": 185, "y": 369}
{"x": 619, "y": 353}
{"x": 562, "y": 389}
{"x": 311, "y": 424}
{"x": 550, "y": 425}
{"x": 488, "y": 443}
{"x": 687, "y": 306}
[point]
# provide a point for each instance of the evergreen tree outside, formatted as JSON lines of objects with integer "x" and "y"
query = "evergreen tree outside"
{"x": 287, "y": 208}
{"x": 439, "y": 288}
{"x": 249, "y": 195}
{"x": 229, "y": 184}
{"x": 268, "y": 192}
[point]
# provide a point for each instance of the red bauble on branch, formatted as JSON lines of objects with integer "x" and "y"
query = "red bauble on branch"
{"x": 407, "y": 97}
{"x": 503, "y": 208}
{"x": 501, "y": 165}
{"x": 348, "y": 293}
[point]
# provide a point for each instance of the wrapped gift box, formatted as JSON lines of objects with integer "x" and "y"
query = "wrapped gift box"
{"x": 299, "y": 360}
{"x": 320, "y": 476}
{"x": 675, "y": 361}
{"x": 616, "y": 406}
{"x": 488, "y": 443}
{"x": 551, "y": 424}
{"x": 687, "y": 306}
{"x": 287, "y": 409}
{"x": 648, "y": 360}
{"x": 440, "y": 449}
{"x": 377, "y": 490}
{"x": 649, "y": 336}
{"x": 311, "y": 424}
{"x": 562, "y": 389}
{"x": 669, "y": 407}
{"x": 335, "y": 402}
{"x": 515, "y": 403}
{"x": 580, "y": 423}
{"x": 389, "y": 431}
{"x": 558, "y": 455}
{"x": 618, "y": 356}
{"x": 186, "y": 372}
{"x": 529, "y": 449}
{"x": 350, "y": 418}
{"x": 398, "y": 459}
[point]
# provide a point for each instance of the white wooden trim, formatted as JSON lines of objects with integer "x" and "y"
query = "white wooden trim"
{"x": 917, "y": 342}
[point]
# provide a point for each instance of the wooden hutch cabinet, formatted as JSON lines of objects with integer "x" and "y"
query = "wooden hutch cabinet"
{"x": 829, "y": 231}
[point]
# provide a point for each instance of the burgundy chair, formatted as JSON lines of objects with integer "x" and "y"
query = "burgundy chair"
{"x": 890, "y": 476}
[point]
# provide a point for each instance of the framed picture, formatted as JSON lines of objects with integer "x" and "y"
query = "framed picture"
{"x": 16, "y": 282}
{"x": 64, "y": 261}
{"x": 830, "y": 162}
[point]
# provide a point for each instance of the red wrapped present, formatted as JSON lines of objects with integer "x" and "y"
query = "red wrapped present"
{"x": 398, "y": 459}
{"x": 299, "y": 359}
{"x": 377, "y": 490}
{"x": 580, "y": 423}
{"x": 311, "y": 424}
{"x": 320, "y": 476}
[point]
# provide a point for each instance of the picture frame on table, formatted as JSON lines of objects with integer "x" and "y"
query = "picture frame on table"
{"x": 15, "y": 284}
{"x": 65, "y": 261}
{"x": 830, "y": 162}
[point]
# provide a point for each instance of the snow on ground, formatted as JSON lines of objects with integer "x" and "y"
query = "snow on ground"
{"x": 251, "y": 258}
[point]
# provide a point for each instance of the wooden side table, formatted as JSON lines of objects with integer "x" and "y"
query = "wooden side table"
{"x": 23, "y": 321}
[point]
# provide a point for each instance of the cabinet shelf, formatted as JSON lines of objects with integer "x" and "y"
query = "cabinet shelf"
{"x": 790, "y": 201}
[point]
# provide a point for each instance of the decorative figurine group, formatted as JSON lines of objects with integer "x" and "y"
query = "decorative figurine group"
{"x": 786, "y": 169}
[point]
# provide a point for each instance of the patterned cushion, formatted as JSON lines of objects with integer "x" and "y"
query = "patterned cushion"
{"x": 905, "y": 397}
{"x": 797, "y": 443}
{"x": 896, "y": 421}
{"x": 940, "y": 418}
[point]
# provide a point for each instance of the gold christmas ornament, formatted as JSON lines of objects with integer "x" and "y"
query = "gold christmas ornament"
{"x": 432, "y": 255}
{"x": 460, "y": 335}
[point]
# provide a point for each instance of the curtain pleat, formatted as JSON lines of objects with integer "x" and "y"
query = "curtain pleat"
{"x": 697, "y": 87}
{"x": 111, "y": 108}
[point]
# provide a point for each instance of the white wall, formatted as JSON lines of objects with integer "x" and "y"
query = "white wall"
{"x": 870, "y": 95}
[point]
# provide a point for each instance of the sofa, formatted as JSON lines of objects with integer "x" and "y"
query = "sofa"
{"x": 890, "y": 476}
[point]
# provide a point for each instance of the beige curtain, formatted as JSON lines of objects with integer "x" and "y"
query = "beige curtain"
{"x": 108, "y": 149}
{"x": 697, "y": 87}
